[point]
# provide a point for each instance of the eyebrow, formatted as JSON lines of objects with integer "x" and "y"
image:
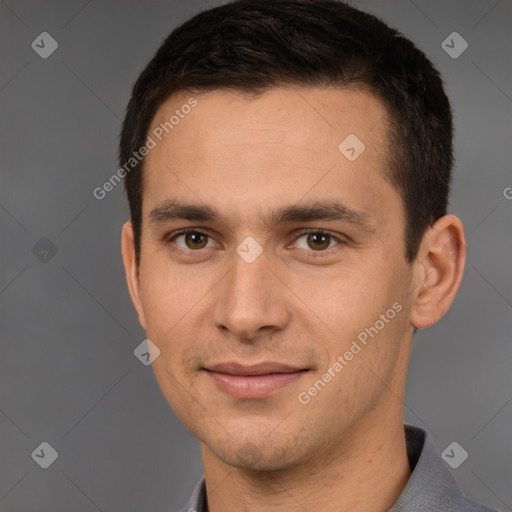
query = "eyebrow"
{"x": 172, "y": 209}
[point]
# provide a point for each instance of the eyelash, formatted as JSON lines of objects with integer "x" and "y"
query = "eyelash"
{"x": 314, "y": 254}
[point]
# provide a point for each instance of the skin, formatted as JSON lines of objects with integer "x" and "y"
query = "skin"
{"x": 345, "y": 449}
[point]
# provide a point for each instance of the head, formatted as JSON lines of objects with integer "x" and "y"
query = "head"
{"x": 262, "y": 119}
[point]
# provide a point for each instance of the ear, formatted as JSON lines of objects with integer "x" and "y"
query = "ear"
{"x": 438, "y": 271}
{"x": 132, "y": 270}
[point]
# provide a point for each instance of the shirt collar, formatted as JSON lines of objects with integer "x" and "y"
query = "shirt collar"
{"x": 431, "y": 487}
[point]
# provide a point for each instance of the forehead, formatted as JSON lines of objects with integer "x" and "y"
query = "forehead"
{"x": 241, "y": 151}
{"x": 301, "y": 114}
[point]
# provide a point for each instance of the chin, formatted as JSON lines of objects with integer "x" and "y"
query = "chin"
{"x": 258, "y": 455}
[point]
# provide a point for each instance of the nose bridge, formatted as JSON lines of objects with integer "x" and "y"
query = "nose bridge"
{"x": 249, "y": 298}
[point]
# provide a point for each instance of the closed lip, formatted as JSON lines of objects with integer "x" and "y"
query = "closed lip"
{"x": 266, "y": 368}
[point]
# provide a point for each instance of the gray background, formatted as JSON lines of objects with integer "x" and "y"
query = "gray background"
{"x": 68, "y": 373}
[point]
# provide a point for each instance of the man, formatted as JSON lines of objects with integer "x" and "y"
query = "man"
{"x": 288, "y": 173}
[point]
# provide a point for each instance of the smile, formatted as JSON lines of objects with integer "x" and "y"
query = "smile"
{"x": 253, "y": 382}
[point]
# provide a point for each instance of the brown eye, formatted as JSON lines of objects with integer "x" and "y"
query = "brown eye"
{"x": 195, "y": 240}
{"x": 318, "y": 241}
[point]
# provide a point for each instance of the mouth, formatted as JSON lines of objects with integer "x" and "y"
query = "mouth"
{"x": 254, "y": 381}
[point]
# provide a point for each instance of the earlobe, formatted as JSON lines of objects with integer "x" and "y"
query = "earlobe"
{"x": 438, "y": 271}
{"x": 132, "y": 270}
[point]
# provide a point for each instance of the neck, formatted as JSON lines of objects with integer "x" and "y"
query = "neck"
{"x": 366, "y": 472}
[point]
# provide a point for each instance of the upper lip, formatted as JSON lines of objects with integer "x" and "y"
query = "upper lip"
{"x": 266, "y": 368}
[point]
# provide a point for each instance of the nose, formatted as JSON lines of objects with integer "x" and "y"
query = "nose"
{"x": 251, "y": 299}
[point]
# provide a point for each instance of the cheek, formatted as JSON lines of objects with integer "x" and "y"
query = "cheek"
{"x": 350, "y": 301}
{"x": 176, "y": 308}
{"x": 165, "y": 311}
{"x": 171, "y": 304}
{"x": 365, "y": 311}
{"x": 166, "y": 294}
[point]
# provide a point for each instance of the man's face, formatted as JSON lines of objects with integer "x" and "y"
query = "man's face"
{"x": 212, "y": 298}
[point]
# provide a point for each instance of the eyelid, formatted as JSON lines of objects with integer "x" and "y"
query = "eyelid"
{"x": 201, "y": 231}
{"x": 168, "y": 239}
{"x": 326, "y": 252}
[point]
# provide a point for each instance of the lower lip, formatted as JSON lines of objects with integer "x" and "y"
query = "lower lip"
{"x": 253, "y": 386}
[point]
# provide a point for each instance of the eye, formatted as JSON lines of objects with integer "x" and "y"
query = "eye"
{"x": 192, "y": 239}
{"x": 318, "y": 241}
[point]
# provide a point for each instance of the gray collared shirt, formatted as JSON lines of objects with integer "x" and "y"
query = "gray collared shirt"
{"x": 430, "y": 488}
